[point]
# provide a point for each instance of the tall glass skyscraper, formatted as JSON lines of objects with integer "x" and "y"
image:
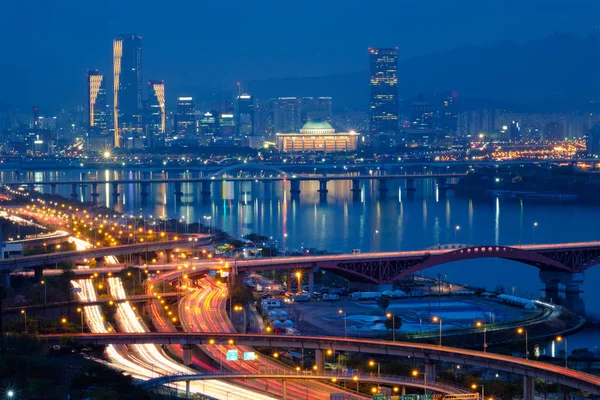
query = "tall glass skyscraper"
{"x": 97, "y": 118}
{"x": 185, "y": 119}
{"x": 384, "y": 91}
{"x": 127, "y": 80}
{"x": 244, "y": 115}
{"x": 156, "y": 112}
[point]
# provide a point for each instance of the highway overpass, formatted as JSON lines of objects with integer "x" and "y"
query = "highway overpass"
{"x": 430, "y": 354}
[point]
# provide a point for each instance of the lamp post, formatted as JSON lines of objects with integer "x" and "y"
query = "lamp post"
{"x": 522, "y": 331}
{"x": 45, "y": 297}
{"x": 299, "y": 277}
{"x": 475, "y": 386}
{"x": 560, "y": 339}
{"x": 456, "y": 229}
{"x": 438, "y": 319}
{"x": 535, "y": 224}
{"x": 80, "y": 311}
{"x": 415, "y": 374}
{"x": 393, "y": 317}
{"x": 345, "y": 321}
{"x": 480, "y": 324}
{"x": 372, "y": 364}
{"x": 25, "y": 320}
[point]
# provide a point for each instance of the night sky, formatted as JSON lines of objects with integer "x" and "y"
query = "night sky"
{"x": 48, "y": 45}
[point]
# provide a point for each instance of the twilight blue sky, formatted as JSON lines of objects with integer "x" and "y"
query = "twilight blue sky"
{"x": 47, "y": 45}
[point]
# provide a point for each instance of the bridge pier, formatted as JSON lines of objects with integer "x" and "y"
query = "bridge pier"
{"x": 145, "y": 189}
{"x": 323, "y": 186}
{"x": 311, "y": 282}
{"x": 187, "y": 389}
{"x": 205, "y": 189}
{"x": 73, "y": 191}
{"x": 295, "y": 187}
{"x": 284, "y": 388}
{"x": 187, "y": 354}
{"x": 430, "y": 372}
{"x": 383, "y": 189}
{"x": 94, "y": 193}
{"x": 288, "y": 280}
{"x": 319, "y": 360}
{"x": 528, "y": 388}
{"x": 99, "y": 262}
{"x": 355, "y": 189}
{"x": 5, "y": 280}
{"x": 571, "y": 281}
{"x": 115, "y": 191}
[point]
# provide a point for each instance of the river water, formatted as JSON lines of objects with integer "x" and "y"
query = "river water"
{"x": 340, "y": 223}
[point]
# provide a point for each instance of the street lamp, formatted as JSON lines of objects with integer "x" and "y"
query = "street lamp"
{"x": 475, "y": 386}
{"x": 456, "y": 229}
{"x": 25, "y": 320}
{"x": 80, "y": 311}
{"x": 372, "y": 364}
{"x": 438, "y": 319}
{"x": 480, "y": 324}
{"x": 535, "y": 224}
{"x": 44, "y": 284}
{"x": 299, "y": 277}
{"x": 415, "y": 374}
{"x": 393, "y": 317}
{"x": 345, "y": 321}
{"x": 560, "y": 339}
{"x": 522, "y": 331}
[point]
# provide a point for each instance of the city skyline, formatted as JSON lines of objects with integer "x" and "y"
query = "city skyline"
{"x": 226, "y": 55}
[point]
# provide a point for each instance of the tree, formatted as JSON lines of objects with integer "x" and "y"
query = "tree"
{"x": 395, "y": 322}
{"x": 383, "y": 302}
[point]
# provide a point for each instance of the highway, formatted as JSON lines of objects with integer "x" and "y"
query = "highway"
{"x": 528, "y": 368}
{"x": 203, "y": 310}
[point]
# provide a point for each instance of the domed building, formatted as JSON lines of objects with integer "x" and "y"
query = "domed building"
{"x": 318, "y": 136}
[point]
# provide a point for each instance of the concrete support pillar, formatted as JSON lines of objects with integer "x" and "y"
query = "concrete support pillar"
{"x": 288, "y": 280}
{"x": 311, "y": 282}
{"x": 94, "y": 193}
{"x": 319, "y": 361}
{"x": 295, "y": 187}
{"x": 74, "y": 190}
{"x": 168, "y": 254}
{"x": 53, "y": 188}
{"x": 571, "y": 281}
{"x": 38, "y": 273}
{"x": 323, "y": 186}
{"x": 430, "y": 370}
{"x": 206, "y": 188}
{"x": 187, "y": 389}
{"x": 284, "y": 388}
{"x": 355, "y": 189}
{"x": 187, "y": 354}
{"x": 410, "y": 185}
{"x": 5, "y": 280}
{"x": 403, "y": 390}
{"x": 528, "y": 388}
{"x": 115, "y": 190}
{"x": 99, "y": 262}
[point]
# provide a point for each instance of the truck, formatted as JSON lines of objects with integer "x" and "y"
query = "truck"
{"x": 301, "y": 298}
{"x": 331, "y": 297}
{"x": 365, "y": 295}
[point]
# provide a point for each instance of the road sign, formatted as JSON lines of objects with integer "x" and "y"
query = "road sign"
{"x": 249, "y": 356}
{"x": 212, "y": 272}
{"x": 232, "y": 355}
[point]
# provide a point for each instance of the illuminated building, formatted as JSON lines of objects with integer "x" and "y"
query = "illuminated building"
{"x": 286, "y": 114}
{"x": 127, "y": 81}
{"x": 244, "y": 115}
{"x": 156, "y": 111}
{"x": 97, "y": 118}
{"x": 317, "y": 136}
{"x": 449, "y": 114}
{"x": 422, "y": 116}
{"x": 185, "y": 119}
{"x": 592, "y": 140}
{"x": 384, "y": 91}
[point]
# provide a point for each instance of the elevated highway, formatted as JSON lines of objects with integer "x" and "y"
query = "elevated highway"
{"x": 430, "y": 354}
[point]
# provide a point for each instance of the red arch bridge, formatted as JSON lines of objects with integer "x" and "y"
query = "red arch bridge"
{"x": 430, "y": 354}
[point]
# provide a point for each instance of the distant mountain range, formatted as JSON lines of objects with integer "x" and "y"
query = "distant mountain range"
{"x": 558, "y": 73}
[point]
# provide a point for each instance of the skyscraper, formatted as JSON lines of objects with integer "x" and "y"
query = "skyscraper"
{"x": 185, "y": 119}
{"x": 316, "y": 108}
{"x": 286, "y": 114}
{"x": 156, "y": 112}
{"x": 384, "y": 91}
{"x": 244, "y": 115}
{"x": 127, "y": 80}
{"x": 96, "y": 103}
